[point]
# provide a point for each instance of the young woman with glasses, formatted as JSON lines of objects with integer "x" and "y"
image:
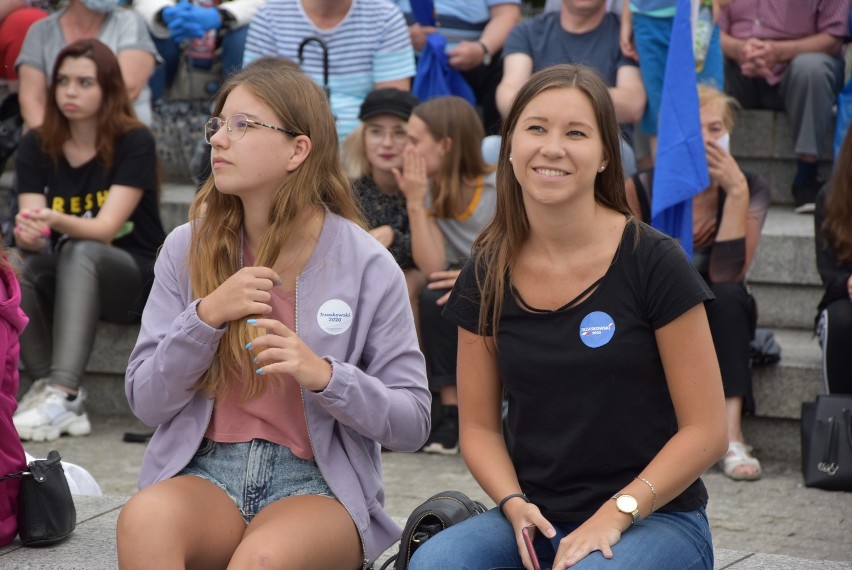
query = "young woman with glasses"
{"x": 88, "y": 231}
{"x": 370, "y": 153}
{"x": 277, "y": 354}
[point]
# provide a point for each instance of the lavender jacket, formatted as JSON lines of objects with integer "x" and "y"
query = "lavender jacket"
{"x": 351, "y": 307}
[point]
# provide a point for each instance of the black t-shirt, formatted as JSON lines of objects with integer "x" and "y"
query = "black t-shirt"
{"x": 82, "y": 190}
{"x": 589, "y": 406}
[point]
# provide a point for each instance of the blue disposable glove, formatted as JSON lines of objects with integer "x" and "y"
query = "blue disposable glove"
{"x": 207, "y": 18}
{"x": 170, "y": 13}
{"x": 184, "y": 30}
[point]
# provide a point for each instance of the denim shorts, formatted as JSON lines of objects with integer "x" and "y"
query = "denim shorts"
{"x": 256, "y": 473}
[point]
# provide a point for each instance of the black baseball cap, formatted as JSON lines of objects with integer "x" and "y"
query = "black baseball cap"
{"x": 388, "y": 101}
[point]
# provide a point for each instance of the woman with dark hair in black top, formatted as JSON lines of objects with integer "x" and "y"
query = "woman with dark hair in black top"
{"x": 88, "y": 230}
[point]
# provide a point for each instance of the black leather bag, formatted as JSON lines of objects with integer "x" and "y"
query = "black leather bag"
{"x": 827, "y": 442}
{"x": 46, "y": 512}
{"x": 439, "y": 512}
{"x": 11, "y": 124}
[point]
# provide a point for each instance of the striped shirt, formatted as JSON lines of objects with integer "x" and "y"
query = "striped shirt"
{"x": 458, "y": 20}
{"x": 369, "y": 46}
{"x": 785, "y": 20}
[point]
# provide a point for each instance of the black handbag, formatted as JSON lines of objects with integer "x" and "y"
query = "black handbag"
{"x": 46, "y": 512}
{"x": 827, "y": 442}
{"x": 11, "y": 124}
{"x": 437, "y": 513}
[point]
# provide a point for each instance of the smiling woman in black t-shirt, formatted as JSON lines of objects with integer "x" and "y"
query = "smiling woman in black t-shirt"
{"x": 593, "y": 325}
{"x": 88, "y": 230}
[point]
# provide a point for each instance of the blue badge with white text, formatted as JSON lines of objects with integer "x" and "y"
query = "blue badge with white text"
{"x": 597, "y": 329}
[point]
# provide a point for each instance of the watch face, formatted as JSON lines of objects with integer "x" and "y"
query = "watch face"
{"x": 626, "y": 504}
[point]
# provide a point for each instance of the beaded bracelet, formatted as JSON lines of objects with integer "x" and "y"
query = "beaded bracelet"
{"x": 512, "y": 496}
{"x": 653, "y": 492}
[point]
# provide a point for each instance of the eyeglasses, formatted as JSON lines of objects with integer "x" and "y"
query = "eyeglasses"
{"x": 236, "y": 127}
{"x": 376, "y": 135}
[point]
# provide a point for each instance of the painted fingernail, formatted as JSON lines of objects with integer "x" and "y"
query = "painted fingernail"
{"x": 248, "y": 345}
{"x": 251, "y": 321}
{"x": 25, "y": 215}
{"x": 259, "y": 371}
{"x": 45, "y": 232}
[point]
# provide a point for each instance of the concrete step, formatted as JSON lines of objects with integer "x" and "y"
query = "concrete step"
{"x": 762, "y": 142}
{"x": 92, "y": 546}
{"x": 783, "y": 274}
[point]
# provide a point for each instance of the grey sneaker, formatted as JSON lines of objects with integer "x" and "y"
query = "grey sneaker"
{"x": 33, "y": 395}
{"x": 52, "y": 414}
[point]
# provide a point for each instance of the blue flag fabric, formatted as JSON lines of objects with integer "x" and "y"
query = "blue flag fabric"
{"x": 435, "y": 77}
{"x": 681, "y": 165}
{"x": 423, "y": 12}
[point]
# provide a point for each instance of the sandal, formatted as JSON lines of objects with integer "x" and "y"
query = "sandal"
{"x": 739, "y": 455}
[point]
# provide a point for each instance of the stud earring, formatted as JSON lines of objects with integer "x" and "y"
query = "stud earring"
{"x": 510, "y": 159}
{"x": 602, "y": 168}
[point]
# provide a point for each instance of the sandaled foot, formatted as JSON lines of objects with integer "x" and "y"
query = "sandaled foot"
{"x": 738, "y": 463}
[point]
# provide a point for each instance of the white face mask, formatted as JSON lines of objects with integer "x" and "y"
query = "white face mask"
{"x": 101, "y": 6}
{"x": 724, "y": 142}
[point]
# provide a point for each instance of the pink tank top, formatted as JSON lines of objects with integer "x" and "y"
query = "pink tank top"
{"x": 277, "y": 415}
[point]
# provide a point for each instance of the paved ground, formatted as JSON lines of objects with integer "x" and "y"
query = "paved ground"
{"x": 776, "y": 515}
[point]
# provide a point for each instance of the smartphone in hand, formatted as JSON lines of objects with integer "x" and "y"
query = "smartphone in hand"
{"x": 530, "y": 550}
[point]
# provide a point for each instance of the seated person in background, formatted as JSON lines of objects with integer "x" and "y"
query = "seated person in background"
{"x": 833, "y": 231}
{"x": 12, "y": 459}
{"x": 120, "y": 29}
{"x": 367, "y": 41}
{"x": 370, "y": 154}
{"x": 727, "y": 220}
{"x": 475, "y": 31}
{"x": 88, "y": 230}
{"x": 583, "y": 32}
{"x": 16, "y": 17}
{"x": 271, "y": 401}
{"x": 205, "y": 26}
{"x": 786, "y": 56}
{"x": 593, "y": 325}
{"x": 449, "y": 193}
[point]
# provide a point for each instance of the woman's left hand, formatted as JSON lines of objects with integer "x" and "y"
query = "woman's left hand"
{"x": 724, "y": 170}
{"x": 443, "y": 280}
{"x": 600, "y": 532}
{"x": 281, "y": 351}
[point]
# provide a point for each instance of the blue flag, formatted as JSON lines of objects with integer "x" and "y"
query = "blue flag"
{"x": 681, "y": 165}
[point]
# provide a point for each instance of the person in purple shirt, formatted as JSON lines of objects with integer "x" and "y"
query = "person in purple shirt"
{"x": 277, "y": 354}
{"x": 785, "y": 56}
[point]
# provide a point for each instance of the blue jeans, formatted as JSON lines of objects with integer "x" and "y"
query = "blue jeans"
{"x": 232, "y": 49}
{"x": 676, "y": 541}
{"x": 256, "y": 473}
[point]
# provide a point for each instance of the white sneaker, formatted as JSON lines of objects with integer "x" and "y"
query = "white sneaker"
{"x": 50, "y": 414}
{"x": 32, "y": 396}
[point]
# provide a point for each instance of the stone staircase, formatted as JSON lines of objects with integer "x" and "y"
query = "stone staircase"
{"x": 786, "y": 285}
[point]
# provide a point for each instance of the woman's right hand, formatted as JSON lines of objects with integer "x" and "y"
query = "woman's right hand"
{"x": 413, "y": 181}
{"x": 30, "y": 233}
{"x": 247, "y": 292}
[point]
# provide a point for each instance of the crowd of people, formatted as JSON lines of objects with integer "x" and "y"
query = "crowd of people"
{"x": 488, "y": 295}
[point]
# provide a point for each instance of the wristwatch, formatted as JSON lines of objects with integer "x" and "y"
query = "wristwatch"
{"x": 486, "y": 55}
{"x": 628, "y": 505}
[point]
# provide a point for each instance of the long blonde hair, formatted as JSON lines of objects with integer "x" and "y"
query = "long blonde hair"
{"x": 453, "y": 118}
{"x": 217, "y": 218}
{"x": 495, "y": 248}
